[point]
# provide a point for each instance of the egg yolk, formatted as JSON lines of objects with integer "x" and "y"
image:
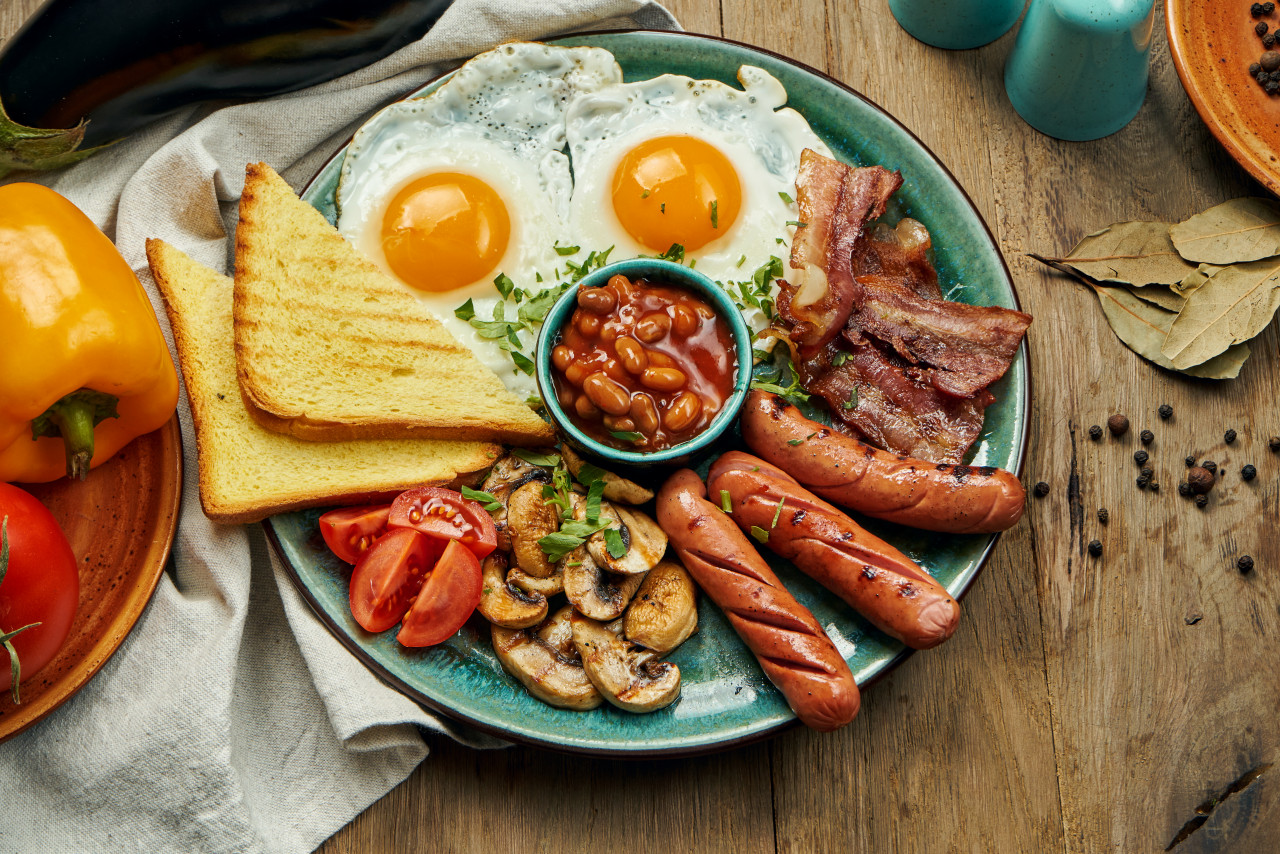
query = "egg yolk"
{"x": 445, "y": 231}
{"x": 676, "y": 189}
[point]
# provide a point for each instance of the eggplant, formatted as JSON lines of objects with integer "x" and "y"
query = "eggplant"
{"x": 123, "y": 65}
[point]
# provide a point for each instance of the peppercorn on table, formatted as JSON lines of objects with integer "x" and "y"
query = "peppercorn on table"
{"x": 1115, "y": 680}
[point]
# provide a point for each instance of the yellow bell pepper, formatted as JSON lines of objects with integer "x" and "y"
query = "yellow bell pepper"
{"x": 84, "y": 368}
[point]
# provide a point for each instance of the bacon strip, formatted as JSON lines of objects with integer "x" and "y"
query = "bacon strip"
{"x": 971, "y": 346}
{"x": 836, "y": 202}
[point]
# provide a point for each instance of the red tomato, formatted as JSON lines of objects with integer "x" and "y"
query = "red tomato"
{"x": 350, "y": 531}
{"x": 445, "y": 514}
{"x": 451, "y": 593}
{"x": 41, "y": 584}
{"x": 389, "y": 575}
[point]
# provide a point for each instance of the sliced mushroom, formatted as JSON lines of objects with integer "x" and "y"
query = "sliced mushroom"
{"x": 503, "y": 603}
{"x": 629, "y": 676}
{"x": 645, "y": 542}
{"x": 665, "y": 610}
{"x": 530, "y": 517}
{"x": 507, "y": 475}
{"x": 616, "y": 488}
{"x": 595, "y": 593}
{"x": 549, "y": 586}
{"x": 537, "y": 659}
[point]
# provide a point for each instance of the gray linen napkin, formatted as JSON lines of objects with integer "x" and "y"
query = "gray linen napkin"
{"x": 230, "y": 719}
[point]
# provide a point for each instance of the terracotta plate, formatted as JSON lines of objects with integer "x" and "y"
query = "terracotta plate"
{"x": 120, "y": 522}
{"x": 1213, "y": 45}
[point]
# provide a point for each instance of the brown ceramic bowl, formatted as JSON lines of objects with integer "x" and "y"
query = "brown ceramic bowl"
{"x": 1213, "y": 44}
{"x": 120, "y": 523}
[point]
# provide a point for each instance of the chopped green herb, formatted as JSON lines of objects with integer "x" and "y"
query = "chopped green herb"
{"x": 794, "y": 442}
{"x": 589, "y": 474}
{"x": 726, "y": 503}
{"x": 852, "y": 402}
{"x": 786, "y": 198}
{"x": 556, "y": 546}
{"x": 840, "y": 359}
{"x": 573, "y": 563}
{"x": 466, "y": 311}
{"x": 594, "y": 494}
{"x": 566, "y": 250}
{"x": 779, "y": 241}
{"x": 715, "y": 213}
{"x": 523, "y": 362}
{"x": 663, "y": 207}
{"x": 535, "y": 309}
{"x": 674, "y": 253}
{"x": 504, "y": 285}
{"x": 538, "y": 276}
{"x": 741, "y": 261}
{"x": 488, "y": 501}
{"x": 777, "y": 514}
{"x": 488, "y": 591}
{"x": 537, "y": 458}
{"x": 645, "y": 194}
{"x": 760, "y": 534}
{"x": 796, "y": 223}
{"x": 535, "y": 401}
{"x": 626, "y": 435}
{"x": 582, "y": 530}
{"x": 613, "y": 542}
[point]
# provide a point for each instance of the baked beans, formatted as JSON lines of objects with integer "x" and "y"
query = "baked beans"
{"x": 643, "y": 365}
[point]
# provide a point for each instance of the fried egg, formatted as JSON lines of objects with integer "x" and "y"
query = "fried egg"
{"x": 673, "y": 160}
{"x": 449, "y": 191}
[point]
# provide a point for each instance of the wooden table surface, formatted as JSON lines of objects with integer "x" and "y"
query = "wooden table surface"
{"x": 1126, "y": 703}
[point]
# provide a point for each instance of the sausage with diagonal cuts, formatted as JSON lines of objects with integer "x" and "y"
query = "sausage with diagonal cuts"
{"x": 791, "y": 646}
{"x": 880, "y": 582}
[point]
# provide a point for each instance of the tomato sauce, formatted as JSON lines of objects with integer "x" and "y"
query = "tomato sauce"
{"x": 643, "y": 365}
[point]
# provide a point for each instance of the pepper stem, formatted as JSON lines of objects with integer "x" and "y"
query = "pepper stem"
{"x": 73, "y": 418}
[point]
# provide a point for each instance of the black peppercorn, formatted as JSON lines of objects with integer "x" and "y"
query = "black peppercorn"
{"x": 1268, "y": 8}
{"x": 1262, "y": 77}
{"x": 1260, "y": 28}
{"x": 1256, "y": 10}
{"x": 1254, "y": 69}
{"x": 1040, "y": 490}
{"x": 1095, "y": 432}
{"x": 1147, "y": 472}
{"x": 1154, "y": 487}
{"x": 1274, "y": 443}
{"x": 1166, "y": 411}
{"x": 1147, "y": 437}
{"x": 1200, "y": 479}
{"x": 1229, "y": 437}
{"x": 1210, "y": 466}
{"x": 1140, "y": 457}
{"x": 1190, "y": 461}
{"x": 1143, "y": 481}
{"x": 1272, "y": 87}
{"x": 1095, "y": 547}
{"x": 1269, "y": 40}
{"x": 1103, "y": 515}
{"x": 1184, "y": 489}
{"x": 1245, "y": 564}
{"x": 1202, "y": 501}
{"x": 1119, "y": 424}
{"x": 1248, "y": 472}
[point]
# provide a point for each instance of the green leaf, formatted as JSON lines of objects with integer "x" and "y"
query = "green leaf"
{"x": 504, "y": 285}
{"x": 1233, "y": 306}
{"x": 537, "y": 458}
{"x": 589, "y": 474}
{"x": 626, "y": 435}
{"x": 726, "y": 502}
{"x": 777, "y": 514}
{"x": 566, "y": 250}
{"x": 556, "y": 546}
{"x": 613, "y": 542}
{"x": 760, "y": 534}
{"x": 486, "y": 500}
{"x": 28, "y": 149}
{"x": 715, "y": 214}
{"x": 523, "y": 362}
{"x": 1230, "y": 233}
{"x": 675, "y": 253}
{"x": 594, "y": 493}
{"x": 786, "y": 198}
{"x": 535, "y": 309}
{"x": 1133, "y": 253}
{"x": 741, "y": 261}
{"x": 466, "y": 311}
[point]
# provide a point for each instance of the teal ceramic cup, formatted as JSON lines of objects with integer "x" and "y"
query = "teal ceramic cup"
{"x": 666, "y": 272}
{"x": 956, "y": 24}
{"x": 1079, "y": 68}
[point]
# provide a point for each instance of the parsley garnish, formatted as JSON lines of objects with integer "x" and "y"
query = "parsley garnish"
{"x": 613, "y": 542}
{"x": 504, "y": 285}
{"x": 726, "y": 504}
{"x": 537, "y": 458}
{"x": 796, "y": 223}
{"x": 777, "y": 514}
{"x": 523, "y": 362}
{"x": 566, "y": 250}
{"x": 466, "y": 311}
{"x": 626, "y": 435}
{"x": 487, "y": 500}
{"x": 715, "y": 214}
{"x": 741, "y": 261}
{"x": 786, "y": 198}
{"x": 839, "y": 360}
{"x": 674, "y": 253}
{"x": 760, "y": 534}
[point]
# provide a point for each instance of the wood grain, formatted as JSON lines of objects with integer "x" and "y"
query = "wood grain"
{"x": 1110, "y": 704}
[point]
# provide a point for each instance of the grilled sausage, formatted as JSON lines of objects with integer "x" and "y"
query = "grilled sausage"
{"x": 880, "y": 582}
{"x": 917, "y": 493}
{"x": 793, "y": 651}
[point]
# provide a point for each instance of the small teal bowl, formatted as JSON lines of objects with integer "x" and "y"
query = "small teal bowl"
{"x": 655, "y": 270}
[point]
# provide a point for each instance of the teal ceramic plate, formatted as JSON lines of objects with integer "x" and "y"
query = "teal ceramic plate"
{"x": 725, "y": 699}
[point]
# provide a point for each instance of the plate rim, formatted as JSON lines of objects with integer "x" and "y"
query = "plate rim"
{"x": 722, "y": 745}
{"x": 1228, "y": 136}
{"x": 109, "y": 642}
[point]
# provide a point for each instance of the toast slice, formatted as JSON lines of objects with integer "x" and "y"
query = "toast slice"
{"x": 330, "y": 347}
{"x": 248, "y": 472}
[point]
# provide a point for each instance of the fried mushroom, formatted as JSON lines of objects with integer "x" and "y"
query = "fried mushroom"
{"x": 645, "y": 542}
{"x": 595, "y": 593}
{"x": 616, "y": 488}
{"x": 546, "y": 663}
{"x": 664, "y": 612}
{"x": 503, "y": 603}
{"x": 530, "y": 517}
{"x": 507, "y": 475}
{"x": 549, "y": 586}
{"x": 628, "y": 676}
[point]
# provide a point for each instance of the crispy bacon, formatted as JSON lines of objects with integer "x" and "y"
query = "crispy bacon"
{"x": 970, "y": 346}
{"x": 836, "y": 202}
{"x": 900, "y": 253}
{"x": 892, "y": 404}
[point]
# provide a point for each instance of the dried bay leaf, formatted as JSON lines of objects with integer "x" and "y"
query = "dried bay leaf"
{"x": 1136, "y": 253}
{"x": 1160, "y": 295}
{"x": 1233, "y": 305}
{"x": 1143, "y": 328}
{"x": 1196, "y": 279}
{"x": 1246, "y": 229}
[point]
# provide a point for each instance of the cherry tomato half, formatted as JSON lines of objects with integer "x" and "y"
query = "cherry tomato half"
{"x": 445, "y": 514}
{"x": 41, "y": 584}
{"x": 445, "y": 602}
{"x": 350, "y": 531}
{"x": 389, "y": 575}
